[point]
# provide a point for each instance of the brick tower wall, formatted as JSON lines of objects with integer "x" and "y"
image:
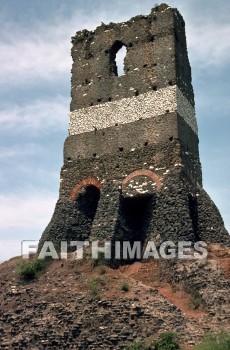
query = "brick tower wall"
{"x": 131, "y": 160}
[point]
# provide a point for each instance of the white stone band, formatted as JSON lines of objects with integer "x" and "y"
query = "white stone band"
{"x": 128, "y": 110}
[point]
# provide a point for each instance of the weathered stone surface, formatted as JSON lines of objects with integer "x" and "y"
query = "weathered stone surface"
{"x": 58, "y": 311}
{"x": 131, "y": 162}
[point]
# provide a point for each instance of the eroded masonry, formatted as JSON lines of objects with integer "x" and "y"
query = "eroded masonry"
{"x": 131, "y": 161}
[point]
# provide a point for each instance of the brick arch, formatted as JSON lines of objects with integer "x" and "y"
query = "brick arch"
{"x": 84, "y": 183}
{"x": 143, "y": 172}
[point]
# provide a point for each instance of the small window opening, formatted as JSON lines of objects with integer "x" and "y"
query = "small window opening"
{"x": 120, "y": 61}
{"x": 121, "y": 149}
{"x": 117, "y": 58}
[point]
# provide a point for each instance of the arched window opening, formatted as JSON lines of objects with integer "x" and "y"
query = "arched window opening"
{"x": 117, "y": 58}
{"x": 120, "y": 61}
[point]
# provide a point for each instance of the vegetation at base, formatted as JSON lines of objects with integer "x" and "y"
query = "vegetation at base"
{"x": 175, "y": 288}
{"x": 100, "y": 261}
{"x": 196, "y": 302}
{"x": 29, "y": 269}
{"x": 72, "y": 263}
{"x": 125, "y": 286}
{"x": 94, "y": 285}
{"x": 137, "y": 345}
{"x": 214, "y": 341}
{"x": 101, "y": 270}
{"x": 167, "y": 341}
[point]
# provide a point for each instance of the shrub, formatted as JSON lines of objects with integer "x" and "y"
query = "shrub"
{"x": 99, "y": 261}
{"x": 28, "y": 270}
{"x": 93, "y": 286}
{"x": 196, "y": 301}
{"x": 167, "y": 341}
{"x": 175, "y": 288}
{"x": 216, "y": 341}
{"x": 125, "y": 286}
{"x": 102, "y": 270}
{"x": 137, "y": 345}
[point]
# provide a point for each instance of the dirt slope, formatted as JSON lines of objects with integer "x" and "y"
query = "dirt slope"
{"x": 74, "y": 306}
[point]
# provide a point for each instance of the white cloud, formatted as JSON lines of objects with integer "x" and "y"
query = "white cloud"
{"x": 208, "y": 42}
{"x": 29, "y": 57}
{"x": 18, "y": 150}
{"x": 23, "y": 218}
{"x": 29, "y": 212}
{"x": 42, "y": 52}
{"x": 9, "y": 248}
{"x": 39, "y": 115}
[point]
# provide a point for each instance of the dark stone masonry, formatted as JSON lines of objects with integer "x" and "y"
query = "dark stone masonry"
{"x": 131, "y": 161}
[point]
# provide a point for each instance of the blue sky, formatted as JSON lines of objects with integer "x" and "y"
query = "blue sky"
{"x": 35, "y": 66}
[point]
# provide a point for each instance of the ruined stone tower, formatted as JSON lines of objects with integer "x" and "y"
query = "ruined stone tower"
{"x": 131, "y": 161}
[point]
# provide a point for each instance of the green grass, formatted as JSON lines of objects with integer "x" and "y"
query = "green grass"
{"x": 167, "y": 341}
{"x": 137, "y": 345}
{"x": 125, "y": 286}
{"x": 29, "y": 269}
{"x": 216, "y": 341}
{"x": 94, "y": 286}
{"x": 100, "y": 261}
{"x": 196, "y": 301}
{"x": 101, "y": 270}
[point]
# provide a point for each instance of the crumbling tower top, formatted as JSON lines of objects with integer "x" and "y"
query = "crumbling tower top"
{"x": 155, "y": 87}
{"x": 156, "y": 58}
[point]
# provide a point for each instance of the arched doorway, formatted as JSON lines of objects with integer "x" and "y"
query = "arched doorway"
{"x": 87, "y": 201}
{"x": 137, "y": 204}
{"x": 85, "y": 206}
